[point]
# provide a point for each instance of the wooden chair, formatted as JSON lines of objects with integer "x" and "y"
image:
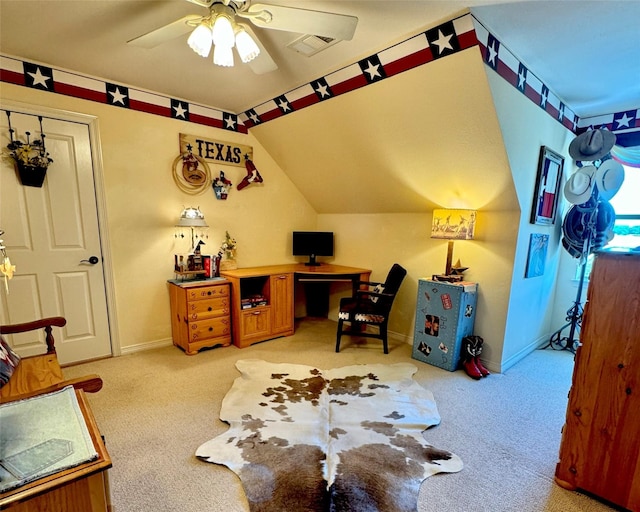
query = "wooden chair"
{"x": 41, "y": 373}
{"x": 370, "y": 305}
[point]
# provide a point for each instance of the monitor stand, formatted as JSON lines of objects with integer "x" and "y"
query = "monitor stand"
{"x": 312, "y": 261}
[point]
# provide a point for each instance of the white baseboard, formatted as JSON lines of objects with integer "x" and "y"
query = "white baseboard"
{"x": 525, "y": 351}
{"x": 150, "y": 345}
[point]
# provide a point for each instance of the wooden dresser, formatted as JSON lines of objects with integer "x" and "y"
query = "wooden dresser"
{"x": 600, "y": 448}
{"x": 200, "y": 314}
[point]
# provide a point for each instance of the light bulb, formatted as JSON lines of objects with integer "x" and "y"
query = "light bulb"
{"x": 200, "y": 40}
{"x": 223, "y": 31}
{"x": 223, "y": 56}
{"x": 246, "y": 46}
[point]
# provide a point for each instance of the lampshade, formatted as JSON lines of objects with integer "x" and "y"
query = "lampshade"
{"x": 192, "y": 217}
{"x": 200, "y": 40}
{"x": 246, "y": 46}
{"x": 223, "y": 56}
{"x": 222, "y": 31}
{"x": 453, "y": 224}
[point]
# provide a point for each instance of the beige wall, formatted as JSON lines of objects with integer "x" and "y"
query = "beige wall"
{"x": 143, "y": 204}
{"x": 525, "y": 128}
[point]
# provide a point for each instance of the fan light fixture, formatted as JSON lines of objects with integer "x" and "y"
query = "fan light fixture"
{"x": 221, "y": 31}
{"x": 245, "y": 45}
{"x": 200, "y": 39}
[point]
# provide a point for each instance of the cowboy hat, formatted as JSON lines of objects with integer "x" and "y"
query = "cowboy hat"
{"x": 579, "y": 186}
{"x": 609, "y": 178}
{"x": 592, "y": 145}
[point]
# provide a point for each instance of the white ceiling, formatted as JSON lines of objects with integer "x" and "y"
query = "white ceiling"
{"x": 586, "y": 51}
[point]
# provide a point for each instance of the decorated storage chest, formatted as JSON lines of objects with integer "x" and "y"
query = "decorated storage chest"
{"x": 445, "y": 314}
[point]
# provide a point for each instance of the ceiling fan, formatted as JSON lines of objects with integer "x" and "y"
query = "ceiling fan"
{"x": 222, "y": 30}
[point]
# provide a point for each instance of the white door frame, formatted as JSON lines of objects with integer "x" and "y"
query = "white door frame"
{"x": 98, "y": 178}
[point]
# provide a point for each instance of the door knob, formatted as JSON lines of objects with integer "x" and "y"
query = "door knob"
{"x": 93, "y": 260}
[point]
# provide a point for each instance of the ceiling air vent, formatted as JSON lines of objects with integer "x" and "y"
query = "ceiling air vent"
{"x": 310, "y": 45}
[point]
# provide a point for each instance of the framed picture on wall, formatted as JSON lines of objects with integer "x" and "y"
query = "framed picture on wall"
{"x": 537, "y": 255}
{"x": 547, "y": 188}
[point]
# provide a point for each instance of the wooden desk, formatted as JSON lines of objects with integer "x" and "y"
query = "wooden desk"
{"x": 273, "y": 316}
{"x": 83, "y": 488}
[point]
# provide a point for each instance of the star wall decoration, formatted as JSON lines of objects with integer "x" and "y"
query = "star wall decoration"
{"x": 38, "y": 77}
{"x": 230, "y": 121}
{"x": 117, "y": 95}
{"x": 443, "y": 40}
{"x": 322, "y": 89}
{"x": 283, "y": 104}
{"x": 253, "y": 115}
{"x": 522, "y": 77}
{"x": 372, "y": 69}
{"x": 179, "y": 110}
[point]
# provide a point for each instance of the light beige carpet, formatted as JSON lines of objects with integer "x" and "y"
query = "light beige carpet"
{"x": 158, "y": 406}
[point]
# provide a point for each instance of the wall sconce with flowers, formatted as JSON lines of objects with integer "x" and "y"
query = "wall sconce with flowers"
{"x": 31, "y": 158}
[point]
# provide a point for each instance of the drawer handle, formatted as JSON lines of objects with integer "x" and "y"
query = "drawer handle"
{"x": 210, "y": 329}
{"x": 210, "y": 309}
{"x": 209, "y": 292}
{"x": 256, "y": 313}
{"x": 282, "y": 277}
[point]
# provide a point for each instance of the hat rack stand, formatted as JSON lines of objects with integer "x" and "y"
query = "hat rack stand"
{"x": 590, "y": 221}
{"x": 575, "y": 312}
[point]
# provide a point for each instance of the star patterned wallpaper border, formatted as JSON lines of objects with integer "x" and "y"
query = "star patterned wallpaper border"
{"x": 458, "y": 34}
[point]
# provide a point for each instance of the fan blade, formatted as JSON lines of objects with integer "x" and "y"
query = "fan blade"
{"x": 202, "y": 3}
{"x": 304, "y": 21}
{"x": 263, "y": 63}
{"x": 166, "y": 33}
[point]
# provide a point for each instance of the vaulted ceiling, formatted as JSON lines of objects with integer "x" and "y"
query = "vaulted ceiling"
{"x": 586, "y": 51}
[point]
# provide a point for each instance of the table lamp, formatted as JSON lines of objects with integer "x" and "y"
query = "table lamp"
{"x": 192, "y": 218}
{"x": 452, "y": 224}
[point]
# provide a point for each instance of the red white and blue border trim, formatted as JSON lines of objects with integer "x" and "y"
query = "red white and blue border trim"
{"x": 499, "y": 58}
{"x": 441, "y": 41}
{"x": 45, "y": 78}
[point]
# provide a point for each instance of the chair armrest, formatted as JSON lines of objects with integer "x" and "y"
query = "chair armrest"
{"x": 365, "y": 297}
{"x": 367, "y": 283}
{"x": 43, "y": 323}
{"x": 89, "y": 384}
{"x": 368, "y": 293}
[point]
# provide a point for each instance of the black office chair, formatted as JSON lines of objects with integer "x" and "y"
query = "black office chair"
{"x": 370, "y": 306}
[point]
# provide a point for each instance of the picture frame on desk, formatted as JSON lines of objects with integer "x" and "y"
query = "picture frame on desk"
{"x": 547, "y": 188}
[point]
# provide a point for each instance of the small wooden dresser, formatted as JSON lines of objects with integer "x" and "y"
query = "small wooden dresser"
{"x": 600, "y": 448}
{"x": 200, "y": 314}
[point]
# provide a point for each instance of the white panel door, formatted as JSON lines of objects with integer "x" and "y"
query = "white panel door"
{"x": 50, "y": 235}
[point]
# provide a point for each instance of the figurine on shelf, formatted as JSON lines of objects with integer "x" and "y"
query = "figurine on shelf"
{"x": 458, "y": 269}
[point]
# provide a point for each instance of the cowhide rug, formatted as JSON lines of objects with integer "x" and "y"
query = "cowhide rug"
{"x": 347, "y": 439}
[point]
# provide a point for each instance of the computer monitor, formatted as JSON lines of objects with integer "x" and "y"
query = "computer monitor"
{"x": 312, "y": 244}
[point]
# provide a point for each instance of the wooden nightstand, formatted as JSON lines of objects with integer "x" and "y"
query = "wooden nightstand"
{"x": 200, "y": 314}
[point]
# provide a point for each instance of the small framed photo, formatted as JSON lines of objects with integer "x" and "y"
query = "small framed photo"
{"x": 537, "y": 255}
{"x": 547, "y": 190}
